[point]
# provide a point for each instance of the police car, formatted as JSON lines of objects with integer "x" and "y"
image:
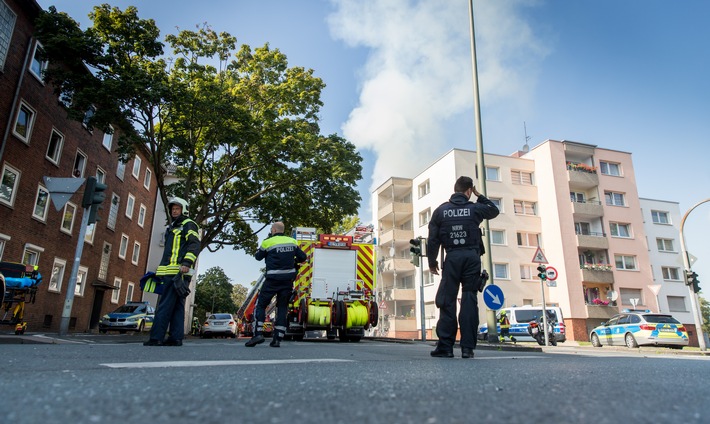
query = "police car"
{"x": 635, "y": 328}
{"x": 520, "y": 317}
{"x": 133, "y": 316}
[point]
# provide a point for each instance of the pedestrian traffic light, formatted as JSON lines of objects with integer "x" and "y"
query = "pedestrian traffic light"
{"x": 542, "y": 272}
{"x": 691, "y": 279}
{"x": 93, "y": 197}
{"x": 415, "y": 248}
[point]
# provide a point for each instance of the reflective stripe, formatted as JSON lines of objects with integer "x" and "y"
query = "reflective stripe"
{"x": 281, "y": 271}
{"x": 280, "y": 328}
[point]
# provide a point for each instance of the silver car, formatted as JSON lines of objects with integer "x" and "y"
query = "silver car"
{"x": 219, "y": 325}
{"x": 635, "y": 328}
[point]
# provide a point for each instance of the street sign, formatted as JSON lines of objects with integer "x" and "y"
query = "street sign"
{"x": 62, "y": 189}
{"x": 383, "y": 305}
{"x": 493, "y": 297}
{"x": 551, "y": 273}
{"x": 539, "y": 257}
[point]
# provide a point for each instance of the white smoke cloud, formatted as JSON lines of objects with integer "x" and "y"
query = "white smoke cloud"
{"x": 418, "y": 73}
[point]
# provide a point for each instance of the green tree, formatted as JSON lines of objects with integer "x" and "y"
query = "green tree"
{"x": 705, "y": 313}
{"x": 213, "y": 293}
{"x": 346, "y": 224}
{"x": 239, "y": 295}
{"x": 240, "y": 126}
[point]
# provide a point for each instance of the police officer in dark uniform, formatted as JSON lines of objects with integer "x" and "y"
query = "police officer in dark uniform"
{"x": 455, "y": 226}
{"x": 281, "y": 254}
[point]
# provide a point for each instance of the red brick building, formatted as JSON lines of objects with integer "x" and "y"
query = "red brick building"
{"x": 37, "y": 141}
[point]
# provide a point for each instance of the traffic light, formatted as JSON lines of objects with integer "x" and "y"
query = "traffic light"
{"x": 93, "y": 197}
{"x": 691, "y": 279}
{"x": 415, "y": 248}
{"x": 542, "y": 272}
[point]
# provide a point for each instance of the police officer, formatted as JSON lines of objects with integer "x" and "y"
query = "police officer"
{"x": 281, "y": 254}
{"x": 455, "y": 226}
{"x": 182, "y": 245}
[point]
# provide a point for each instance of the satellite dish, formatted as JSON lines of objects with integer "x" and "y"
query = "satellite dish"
{"x": 612, "y": 295}
{"x": 391, "y": 252}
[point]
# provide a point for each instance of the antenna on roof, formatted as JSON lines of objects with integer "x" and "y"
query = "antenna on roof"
{"x": 526, "y": 148}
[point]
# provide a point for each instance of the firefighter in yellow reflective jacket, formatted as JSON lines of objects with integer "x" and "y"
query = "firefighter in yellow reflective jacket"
{"x": 182, "y": 245}
{"x": 504, "y": 323}
{"x": 281, "y": 254}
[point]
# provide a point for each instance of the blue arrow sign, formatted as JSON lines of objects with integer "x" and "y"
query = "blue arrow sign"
{"x": 493, "y": 297}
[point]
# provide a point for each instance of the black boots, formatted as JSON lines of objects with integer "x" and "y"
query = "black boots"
{"x": 466, "y": 352}
{"x": 437, "y": 353}
{"x": 275, "y": 342}
{"x": 257, "y": 339}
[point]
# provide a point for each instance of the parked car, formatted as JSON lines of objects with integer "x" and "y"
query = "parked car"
{"x": 635, "y": 328}
{"x": 133, "y": 316}
{"x": 520, "y": 317}
{"x": 219, "y": 325}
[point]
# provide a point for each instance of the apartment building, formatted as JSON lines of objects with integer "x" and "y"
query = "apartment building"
{"x": 37, "y": 141}
{"x": 576, "y": 201}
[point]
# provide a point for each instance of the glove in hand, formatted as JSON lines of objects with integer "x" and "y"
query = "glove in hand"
{"x": 181, "y": 286}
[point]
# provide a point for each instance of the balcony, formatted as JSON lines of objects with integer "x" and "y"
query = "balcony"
{"x": 597, "y": 276}
{"x": 396, "y": 264}
{"x": 587, "y": 209}
{"x": 582, "y": 176}
{"x": 601, "y": 311}
{"x": 387, "y": 236}
{"x": 397, "y": 208}
{"x": 593, "y": 240}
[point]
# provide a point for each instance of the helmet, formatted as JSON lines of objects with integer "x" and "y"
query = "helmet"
{"x": 179, "y": 201}
{"x": 502, "y": 313}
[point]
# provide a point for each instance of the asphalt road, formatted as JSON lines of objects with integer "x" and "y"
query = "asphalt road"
{"x": 115, "y": 379}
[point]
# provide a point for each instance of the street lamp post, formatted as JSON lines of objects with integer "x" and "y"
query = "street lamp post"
{"x": 697, "y": 314}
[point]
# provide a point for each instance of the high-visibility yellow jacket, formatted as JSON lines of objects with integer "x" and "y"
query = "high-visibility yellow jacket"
{"x": 182, "y": 245}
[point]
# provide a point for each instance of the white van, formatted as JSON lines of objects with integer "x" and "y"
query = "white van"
{"x": 520, "y": 316}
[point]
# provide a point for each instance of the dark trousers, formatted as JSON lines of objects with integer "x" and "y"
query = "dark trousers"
{"x": 462, "y": 268}
{"x": 170, "y": 311}
{"x": 282, "y": 290}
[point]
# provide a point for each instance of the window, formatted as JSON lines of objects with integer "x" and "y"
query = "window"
{"x": 103, "y": 266}
{"x": 54, "y": 149}
{"x": 677, "y": 304}
{"x": 528, "y": 272}
{"x": 147, "y": 178}
{"x": 670, "y": 273}
{"x": 577, "y": 197}
{"x": 141, "y": 214}
{"x": 113, "y": 212}
{"x": 492, "y": 174}
{"x": 3, "y": 239}
{"x": 90, "y": 231}
{"x": 123, "y": 248}
{"x": 41, "y": 204}
{"x": 528, "y": 239}
{"x": 120, "y": 169}
{"x": 423, "y": 189}
{"x": 498, "y": 202}
{"x": 609, "y": 168}
{"x": 620, "y": 230}
{"x": 87, "y": 117}
{"x": 80, "y": 281}
{"x": 79, "y": 165}
{"x": 136, "y": 253}
{"x": 129, "y": 292}
{"x": 108, "y": 138}
{"x": 521, "y": 177}
{"x": 7, "y": 25}
{"x": 625, "y": 262}
{"x": 100, "y": 176}
{"x": 660, "y": 217}
{"x": 628, "y": 294}
{"x": 117, "y": 291}
{"x": 136, "y": 167}
{"x": 129, "y": 206}
{"x": 23, "y": 122}
{"x": 428, "y": 278}
{"x": 424, "y": 217}
{"x": 582, "y": 228}
{"x": 523, "y": 207}
{"x": 8, "y": 186}
{"x": 498, "y": 237}
{"x": 30, "y": 256}
{"x": 55, "y": 282}
{"x": 38, "y": 66}
{"x": 500, "y": 272}
{"x": 614, "y": 199}
{"x": 68, "y": 217}
{"x": 664, "y": 245}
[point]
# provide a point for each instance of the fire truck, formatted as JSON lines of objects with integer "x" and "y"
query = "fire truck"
{"x": 334, "y": 289}
{"x": 245, "y": 314}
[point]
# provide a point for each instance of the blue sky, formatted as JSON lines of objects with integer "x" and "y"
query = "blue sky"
{"x": 626, "y": 75}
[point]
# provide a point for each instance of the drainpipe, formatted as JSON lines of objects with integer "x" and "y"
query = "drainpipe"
{"x": 13, "y": 107}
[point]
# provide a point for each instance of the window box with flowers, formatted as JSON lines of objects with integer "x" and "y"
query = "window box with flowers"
{"x": 596, "y": 267}
{"x": 581, "y": 167}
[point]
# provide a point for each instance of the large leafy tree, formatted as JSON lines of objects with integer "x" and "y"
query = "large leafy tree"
{"x": 238, "y": 127}
{"x": 213, "y": 293}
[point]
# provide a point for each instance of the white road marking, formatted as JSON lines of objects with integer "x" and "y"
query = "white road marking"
{"x": 176, "y": 364}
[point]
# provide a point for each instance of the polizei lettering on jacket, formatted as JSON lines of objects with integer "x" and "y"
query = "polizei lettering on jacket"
{"x": 454, "y": 213}
{"x": 284, "y": 249}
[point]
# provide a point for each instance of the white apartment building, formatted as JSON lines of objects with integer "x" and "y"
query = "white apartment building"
{"x": 576, "y": 201}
